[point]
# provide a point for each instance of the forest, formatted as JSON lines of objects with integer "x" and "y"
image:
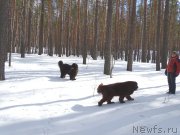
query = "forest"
{"x": 130, "y": 30}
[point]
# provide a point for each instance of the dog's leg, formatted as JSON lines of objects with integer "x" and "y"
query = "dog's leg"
{"x": 121, "y": 99}
{"x": 129, "y": 98}
{"x": 72, "y": 77}
{"x": 63, "y": 75}
{"x": 109, "y": 100}
{"x": 101, "y": 101}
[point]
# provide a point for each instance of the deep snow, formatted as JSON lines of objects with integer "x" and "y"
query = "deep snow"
{"x": 35, "y": 101}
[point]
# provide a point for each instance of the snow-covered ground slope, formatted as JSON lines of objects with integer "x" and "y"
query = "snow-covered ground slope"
{"x": 35, "y": 101}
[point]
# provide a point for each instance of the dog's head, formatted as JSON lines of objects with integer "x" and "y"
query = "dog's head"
{"x": 99, "y": 89}
{"x": 135, "y": 86}
{"x": 60, "y": 63}
{"x": 75, "y": 66}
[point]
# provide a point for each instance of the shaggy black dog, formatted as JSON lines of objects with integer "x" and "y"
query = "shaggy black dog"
{"x": 122, "y": 89}
{"x": 71, "y": 70}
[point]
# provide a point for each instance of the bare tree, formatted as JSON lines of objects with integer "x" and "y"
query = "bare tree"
{"x": 41, "y": 25}
{"x": 107, "y": 51}
{"x": 85, "y": 31}
{"x": 12, "y": 28}
{"x": 60, "y": 27}
{"x": 144, "y": 38}
{"x": 116, "y": 32}
{"x": 23, "y": 29}
{"x": 78, "y": 28}
{"x": 95, "y": 31}
{"x": 165, "y": 36}
{"x": 68, "y": 20}
{"x": 3, "y": 34}
{"x": 131, "y": 35}
{"x": 50, "y": 29}
{"x": 158, "y": 37}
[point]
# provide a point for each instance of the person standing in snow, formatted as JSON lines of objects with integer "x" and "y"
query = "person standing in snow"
{"x": 172, "y": 70}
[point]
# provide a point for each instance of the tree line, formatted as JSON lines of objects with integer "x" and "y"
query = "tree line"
{"x": 131, "y": 30}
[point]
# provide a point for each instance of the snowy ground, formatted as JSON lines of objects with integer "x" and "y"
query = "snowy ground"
{"x": 35, "y": 101}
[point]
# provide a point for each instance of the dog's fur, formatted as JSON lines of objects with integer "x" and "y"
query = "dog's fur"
{"x": 122, "y": 89}
{"x": 71, "y": 70}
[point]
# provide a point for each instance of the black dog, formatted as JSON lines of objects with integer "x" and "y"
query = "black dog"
{"x": 71, "y": 70}
{"x": 122, "y": 89}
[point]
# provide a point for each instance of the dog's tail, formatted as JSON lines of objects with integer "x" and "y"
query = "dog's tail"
{"x": 99, "y": 89}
